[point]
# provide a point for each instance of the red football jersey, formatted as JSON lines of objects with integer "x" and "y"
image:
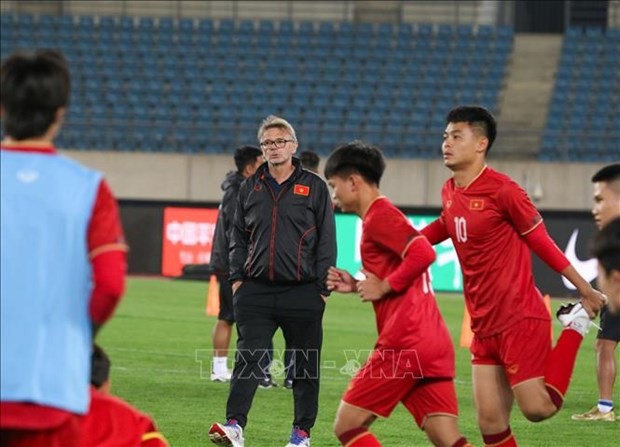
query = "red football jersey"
{"x": 410, "y": 320}
{"x": 486, "y": 221}
{"x": 105, "y": 233}
{"x": 111, "y": 421}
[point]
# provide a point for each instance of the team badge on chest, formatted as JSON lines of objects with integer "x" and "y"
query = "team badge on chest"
{"x": 301, "y": 190}
{"x": 476, "y": 204}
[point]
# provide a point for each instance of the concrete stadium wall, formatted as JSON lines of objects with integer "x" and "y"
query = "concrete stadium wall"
{"x": 409, "y": 183}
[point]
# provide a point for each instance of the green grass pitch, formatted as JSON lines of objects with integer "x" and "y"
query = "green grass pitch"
{"x": 160, "y": 344}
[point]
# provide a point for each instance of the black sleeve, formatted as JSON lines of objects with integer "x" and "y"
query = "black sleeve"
{"x": 326, "y": 227}
{"x": 229, "y": 204}
{"x": 238, "y": 237}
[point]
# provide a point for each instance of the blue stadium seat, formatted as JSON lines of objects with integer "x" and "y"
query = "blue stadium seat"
{"x": 285, "y": 28}
{"x": 266, "y": 27}
{"x": 185, "y": 26}
{"x": 305, "y": 28}
{"x": 225, "y": 26}
{"x": 246, "y": 26}
{"x": 146, "y": 24}
{"x": 7, "y": 19}
{"x": 25, "y": 20}
{"x": 386, "y": 30}
{"x": 593, "y": 31}
{"x": 505, "y": 32}
{"x": 165, "y": 24}
{"x": 205, "y": 26}
{"x": 363, "y": 29}
{"x": 424, "y": 30}
{"x": 345, "y": 28}
{"x": 126, "y": 23}
{"x": 326, "y": 29}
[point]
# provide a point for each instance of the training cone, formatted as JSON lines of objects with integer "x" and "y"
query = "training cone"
{"x": 213, "y": 297}
{"x": 466, "y": 334}
{"x": 547, "y": 300}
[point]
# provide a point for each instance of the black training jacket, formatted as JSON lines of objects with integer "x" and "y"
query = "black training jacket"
{"x": 285, "y": 238}
{"x": 221, "y": 239}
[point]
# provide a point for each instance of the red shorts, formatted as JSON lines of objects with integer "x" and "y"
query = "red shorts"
{"x": 522, "y": 350}
{"x": 67, "y": 434}
{"x": 381, "y": 384}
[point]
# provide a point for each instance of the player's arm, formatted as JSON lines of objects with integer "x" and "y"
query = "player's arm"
{"x": 435, "y": 232}
{"x": 540, "y": 242}
{"x": 107, "y": 251}
{"x": 526, "y": 219}
{"x": 417, "y": 258}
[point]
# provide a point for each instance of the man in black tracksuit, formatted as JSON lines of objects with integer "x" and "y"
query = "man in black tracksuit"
{"x": 282, "y": 243}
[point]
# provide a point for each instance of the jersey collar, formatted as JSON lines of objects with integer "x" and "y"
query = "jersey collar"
{"x": 51, "y": 150}
{"x": 464, "y": 188}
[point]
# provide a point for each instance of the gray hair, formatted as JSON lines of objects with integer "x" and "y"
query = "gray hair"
{"x": 275, "y": 121}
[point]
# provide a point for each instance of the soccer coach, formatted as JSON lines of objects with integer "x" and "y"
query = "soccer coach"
{"x": 283, "y": 242}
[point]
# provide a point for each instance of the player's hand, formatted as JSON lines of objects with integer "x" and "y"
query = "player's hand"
{"x": 236, "y": 285}
{"x": 592, "y": 301}
{"x": 372, "y": 288}
{"x": 340, "y": 280}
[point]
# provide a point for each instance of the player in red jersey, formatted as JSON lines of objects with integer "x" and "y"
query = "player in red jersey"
{"x": 493, "y": 226}
{"x": 413, "y": 359}
{"x": 35, "y": 89}
{"x": 111, "y": 421}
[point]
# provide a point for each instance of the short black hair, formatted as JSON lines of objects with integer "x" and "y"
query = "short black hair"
{"x": 100, "y": 367}
{"x": 246, "y": 155}
{"x": 609, "y": 173}
{"x": 33, "y": 86}
{"x": 310, "y": 160}
{"x": 477, "y": 117}
{"x": 356, "y": 157}
{"x": 606, "y": 246}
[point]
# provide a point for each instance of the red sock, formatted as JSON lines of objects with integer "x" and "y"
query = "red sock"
{"x": 503, "y": 439}
{"x": 462, "y": 442}
{"x": 358, "y": 437}
{"x": 560, "y": 364}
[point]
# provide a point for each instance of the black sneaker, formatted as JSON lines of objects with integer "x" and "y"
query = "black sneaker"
{"x": 288, "y": 384}
{"x": 266, "y": 383}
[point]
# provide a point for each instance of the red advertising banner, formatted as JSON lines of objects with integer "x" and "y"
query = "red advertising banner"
{"x": 187, "y": 238}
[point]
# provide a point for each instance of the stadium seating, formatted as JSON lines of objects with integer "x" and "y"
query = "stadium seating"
{"x": 583, "y": 120}
{"x": 204, "y": 85}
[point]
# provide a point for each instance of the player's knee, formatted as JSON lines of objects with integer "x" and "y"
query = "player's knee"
{"x": 341, "y": 427}
{"x": 344, "y": 424}
{"x": 539, "y": 414}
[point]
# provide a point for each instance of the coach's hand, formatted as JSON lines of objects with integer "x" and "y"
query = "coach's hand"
{"x": 372, "y": 288}
{"x": 340, "y": 280}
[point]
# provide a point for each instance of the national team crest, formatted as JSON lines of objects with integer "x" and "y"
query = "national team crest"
{"x": 476, "y": 204}
{"x": 301, "y": 190}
